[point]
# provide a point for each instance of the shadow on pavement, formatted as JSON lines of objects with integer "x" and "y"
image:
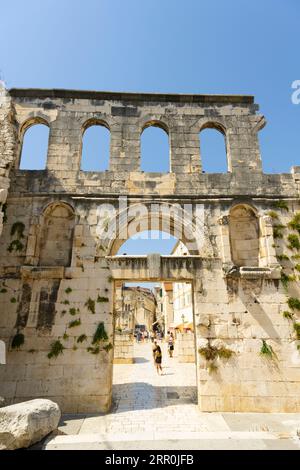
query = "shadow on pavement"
{"x": 144, "y": 396}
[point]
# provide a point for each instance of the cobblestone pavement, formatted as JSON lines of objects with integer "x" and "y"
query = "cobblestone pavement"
{"x": 154, "y": 411}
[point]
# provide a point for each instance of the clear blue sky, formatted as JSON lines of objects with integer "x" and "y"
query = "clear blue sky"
{"x": 190, "y": 46}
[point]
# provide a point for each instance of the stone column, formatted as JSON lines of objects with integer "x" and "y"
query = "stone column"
{"x": 65, "y": 143}
{"x": 33, "y": 236}
{"x": 184, "y": 150}
{"x": 125, "y": 145}
{"x": 225, "y": 240}
{"x": 267, "y": 252}
{"x": 243, "y": 151}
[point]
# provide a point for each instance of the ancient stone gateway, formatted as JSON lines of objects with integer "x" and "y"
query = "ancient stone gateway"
{"x": 62, "y": 228}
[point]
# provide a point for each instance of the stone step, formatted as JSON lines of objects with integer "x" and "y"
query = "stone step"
{"x": 107, "y": 441}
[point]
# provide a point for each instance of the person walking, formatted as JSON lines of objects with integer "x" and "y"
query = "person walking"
{"x": 154, "y": 346}
{"x": 171, "y": 341}
{"x": 158, "y": 359}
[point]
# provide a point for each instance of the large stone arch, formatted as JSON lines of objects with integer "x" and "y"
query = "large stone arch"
{"x": 191, "y": 230}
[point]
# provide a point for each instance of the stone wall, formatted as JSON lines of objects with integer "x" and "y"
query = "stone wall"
{"x": 123, "y": 348}
{"x": 57, "y": 305}
{"x": 185, "y": 347}
{"x": 7, "y": 147}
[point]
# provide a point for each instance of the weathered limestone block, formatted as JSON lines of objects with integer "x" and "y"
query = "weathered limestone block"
{"x": 23, "y": 424}
{"x": 185, "y": 346}
{"x": 123, "y": 348}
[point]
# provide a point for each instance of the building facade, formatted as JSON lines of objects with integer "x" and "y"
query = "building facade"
{"x": 135, "y": 307}
{"x": 58, "y": 273}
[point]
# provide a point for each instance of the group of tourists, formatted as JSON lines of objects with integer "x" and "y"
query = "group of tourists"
{"x": 157, "y": 353}
{"x": 142, "y": 336}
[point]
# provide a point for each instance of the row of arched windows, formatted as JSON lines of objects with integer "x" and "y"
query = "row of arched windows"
{"x": 155, "y": 154}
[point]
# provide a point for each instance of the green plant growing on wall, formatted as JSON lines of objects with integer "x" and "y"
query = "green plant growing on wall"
{"x": 100, "y": 334}
{"x": 102, "y": 299}
{"x": 65, "y": 336}
{"x": 295, "y": 222}
{"x": 68, "y": 290}
{"x": 272, "y": 214}
{"x": 297, "y": 267}
{"x": 294, "y": 242}
{"x": 13, "y": 300}
{"x": 281, "y": 205}
{"x": 105, "y": 224}
{"x": 90, "y": 304}
{"x": 285, "y": 279}
{"x": 267, "y": 350}
{"x": 66, "y": 302}
{"x": 110, "y": 279}
{"x": 212, "y": 368}
{"x": 17, "y": 341}
{"x": 18, "y": 229}
{"x": 3, "y": 290}
{"x": 108, "y": 347}
{"x": 225, "y": 353}
{"x": 210, "y": 353}
{"x": 74, "y": 311}
{"x": 74, "y": 323}
{"x": 56, "y": 349}
{"x": 15, "y": 245}
{"x": 288, "y": 315}
{"x": 81, "y": 338}
{"x": 94, "y": 350}
{"x": 4, "y": 210}
{"x": 283, "y": 257}
{"x": 294, "y": 303}
{"x": 277, "y": 231}
{"x": 296, "y": 327}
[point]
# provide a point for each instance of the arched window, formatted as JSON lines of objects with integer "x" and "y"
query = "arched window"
{"x": 57, "y": 236}
{"x": 146, "y": 242}
{"x": 213, "y": 149}
{"x": 95, "y": 147}
{"x": 35, "y": 147}
{"x": 155, "y": 156}
{"x": 244, "y": 236}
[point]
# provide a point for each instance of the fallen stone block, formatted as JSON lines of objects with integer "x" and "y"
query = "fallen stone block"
{"x": 26, "y": 423}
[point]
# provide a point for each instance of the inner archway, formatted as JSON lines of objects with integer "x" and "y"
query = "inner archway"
{"x": 184, "y": 223}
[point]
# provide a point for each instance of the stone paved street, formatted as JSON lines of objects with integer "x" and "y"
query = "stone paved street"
{"x": 156, "y": 412}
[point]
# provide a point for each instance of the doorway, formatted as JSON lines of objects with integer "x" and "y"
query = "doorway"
{"x": 144, "y": 312}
